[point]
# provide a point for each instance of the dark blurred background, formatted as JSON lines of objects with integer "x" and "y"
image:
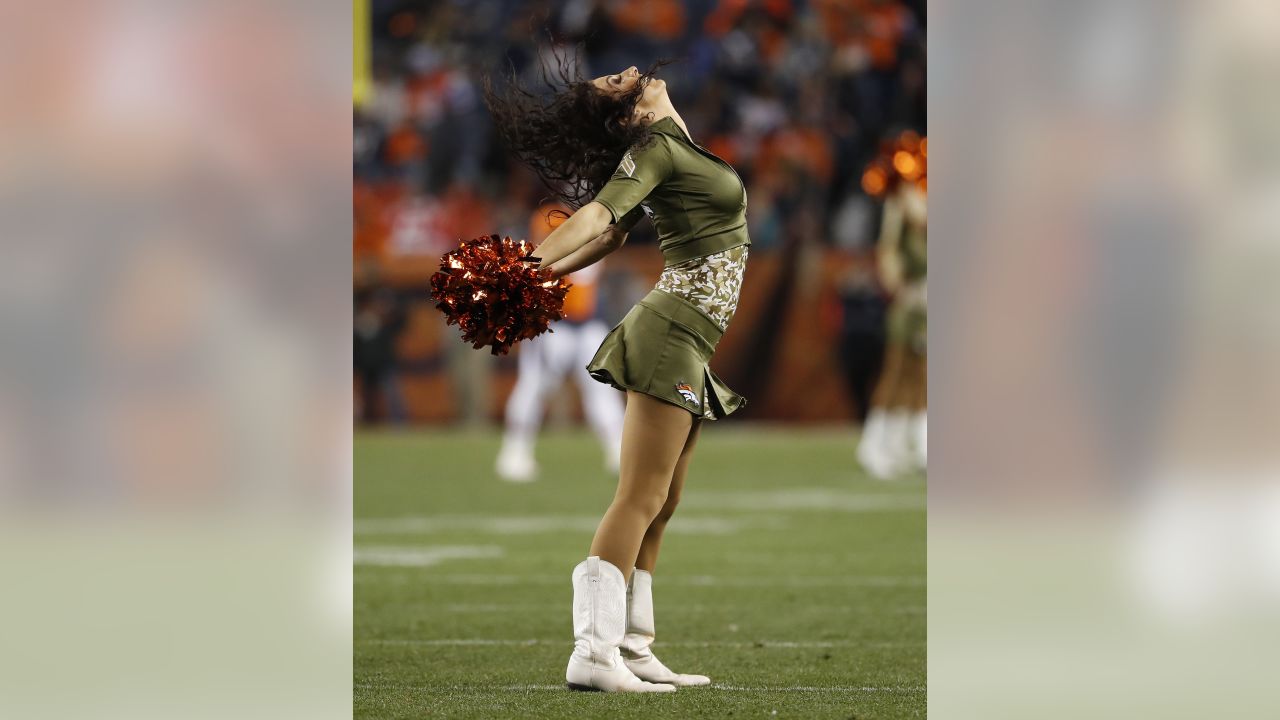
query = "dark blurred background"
{"x": 796, "y": 94}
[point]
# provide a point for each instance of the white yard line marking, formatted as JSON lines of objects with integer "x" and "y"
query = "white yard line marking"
{"x": 527, "y": 525}
{"x": 423, "y": 556}
{"x": 826, "y": 499}
{"x": 712, "y": 581}
{"x": 814, "y": 688}
{"x": 456, "y": 688}
{"x": 729, "y": 688}
{"x": 797, "y": 581}
{"x": 684, "y": 607}
{"x": 785, "y": 644}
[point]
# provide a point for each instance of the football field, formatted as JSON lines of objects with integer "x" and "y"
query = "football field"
{"x": 790, "y": 578}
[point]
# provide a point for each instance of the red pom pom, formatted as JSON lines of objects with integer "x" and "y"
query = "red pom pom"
{"x": 485, "y": 289}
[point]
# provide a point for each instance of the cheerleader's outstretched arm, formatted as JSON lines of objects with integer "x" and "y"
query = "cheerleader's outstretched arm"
{"x": 591, "y": 253}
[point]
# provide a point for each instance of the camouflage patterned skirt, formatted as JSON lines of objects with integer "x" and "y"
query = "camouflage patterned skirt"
{"x": 664, "y": 344}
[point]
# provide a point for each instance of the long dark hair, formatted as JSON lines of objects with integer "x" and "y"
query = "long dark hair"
{"x": 573, "y": 136}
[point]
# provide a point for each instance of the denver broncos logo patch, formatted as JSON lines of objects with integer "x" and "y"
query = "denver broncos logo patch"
{"x": 686, "y": 392}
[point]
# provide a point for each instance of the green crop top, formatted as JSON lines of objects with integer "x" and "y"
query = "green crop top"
{"x": 696, "y": 201}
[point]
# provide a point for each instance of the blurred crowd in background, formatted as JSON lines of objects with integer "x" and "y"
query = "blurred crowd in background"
{"x": 797, "y": 95}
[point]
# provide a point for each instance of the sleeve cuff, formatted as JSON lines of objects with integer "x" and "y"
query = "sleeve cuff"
{"x": 613, "y": 211}
{"x": 629, "y": 220}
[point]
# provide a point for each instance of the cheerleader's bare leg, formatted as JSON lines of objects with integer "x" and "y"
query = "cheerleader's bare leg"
{"x": 647, "y": 558}
{"x": 637, "y": 645}
{"x": 654, "y": 435}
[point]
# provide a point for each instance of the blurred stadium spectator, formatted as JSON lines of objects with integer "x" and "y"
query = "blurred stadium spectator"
{"x": 796, "y": 94}
{"x": 379, "y": 320}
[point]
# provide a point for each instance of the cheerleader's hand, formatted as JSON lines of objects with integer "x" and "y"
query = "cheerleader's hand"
{"x": 545, "y": 273}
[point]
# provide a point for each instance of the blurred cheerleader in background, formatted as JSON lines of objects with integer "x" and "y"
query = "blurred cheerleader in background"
{"x": 895, "y": 435}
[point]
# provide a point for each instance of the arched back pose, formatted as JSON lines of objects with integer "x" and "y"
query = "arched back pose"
{"x": 616, "y": 144}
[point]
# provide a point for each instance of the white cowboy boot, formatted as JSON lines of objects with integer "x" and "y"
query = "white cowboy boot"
{"x": 920, "y": 435}
{"x": 636, "y": 652}
{"x": 599, "y": 621}
{"x": 897, "y": 441}
{"x": 873, "y": 455}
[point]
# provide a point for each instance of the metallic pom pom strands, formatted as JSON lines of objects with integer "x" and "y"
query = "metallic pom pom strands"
{"x": 489, "y": 289}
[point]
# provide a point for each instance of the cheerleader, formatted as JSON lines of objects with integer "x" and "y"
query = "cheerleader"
{"x": 616, "y": 148}
{"x": 895, "y": 435}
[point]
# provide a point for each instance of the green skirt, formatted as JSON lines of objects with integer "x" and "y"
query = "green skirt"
{"x": 908, "y": 318}
{"x": 661, "y": 348}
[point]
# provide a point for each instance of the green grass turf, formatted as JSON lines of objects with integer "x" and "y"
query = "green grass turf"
{"x": 790, "y": 578}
